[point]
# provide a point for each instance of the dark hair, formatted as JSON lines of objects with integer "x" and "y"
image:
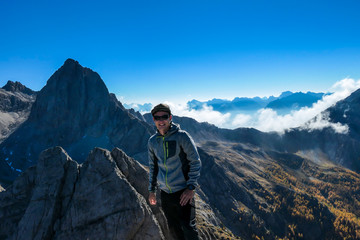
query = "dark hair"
{"x": 162, "y": 107}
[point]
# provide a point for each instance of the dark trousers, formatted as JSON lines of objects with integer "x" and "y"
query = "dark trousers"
{"x": 181, "y": 219}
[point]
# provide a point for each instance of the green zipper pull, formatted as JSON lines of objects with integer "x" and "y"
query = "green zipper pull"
{"x": 167, "y": 149}
{"x": 166, "y": 154}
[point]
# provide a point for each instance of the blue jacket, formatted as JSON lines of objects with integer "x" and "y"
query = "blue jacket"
{"x": 174, "y": 161}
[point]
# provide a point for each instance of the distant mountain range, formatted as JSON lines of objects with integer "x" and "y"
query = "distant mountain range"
{"x": 283, "y": 104}
{"x": 254, "y": 185}
{"x": 286, "y": 102}
{"x": 146, "y": 107}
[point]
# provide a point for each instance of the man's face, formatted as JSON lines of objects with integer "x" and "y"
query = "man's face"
{"x": 162, "y": 121}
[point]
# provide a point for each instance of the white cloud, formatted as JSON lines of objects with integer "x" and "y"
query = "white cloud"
{"x": 267, "y": 120}
{"x": 241, "y": 120}
{"x": 206, "y": 114}
{"x": 322, "y": 120}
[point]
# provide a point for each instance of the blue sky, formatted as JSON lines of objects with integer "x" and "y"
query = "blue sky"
{"x": 152, "y": 51}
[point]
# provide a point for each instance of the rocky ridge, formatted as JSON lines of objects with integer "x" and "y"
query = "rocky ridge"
{"x": 11, "y": 86}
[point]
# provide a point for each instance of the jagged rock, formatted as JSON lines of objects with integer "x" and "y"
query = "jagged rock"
{"x": 136, "y": 114}
{"x": 104, "y": 196}
{"x": 60, "y": 199}
{"x": 138, "y": 177}
{"x": 46, "y": 201}
{"x": 17, "y": 87}
{"x": 14, "y": 202}
{"x": 15, "y": 101}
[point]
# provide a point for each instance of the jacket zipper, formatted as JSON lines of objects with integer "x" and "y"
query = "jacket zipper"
{"x": 166, "y": 154}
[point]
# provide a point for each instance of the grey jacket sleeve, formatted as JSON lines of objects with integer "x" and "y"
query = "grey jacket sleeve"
{"x": 193, "y": 157}
{"x": 153, "y": 169}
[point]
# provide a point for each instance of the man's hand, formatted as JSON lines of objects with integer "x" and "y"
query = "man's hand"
{"x": 186, "y": 197}
{"x": 152, "y": 198}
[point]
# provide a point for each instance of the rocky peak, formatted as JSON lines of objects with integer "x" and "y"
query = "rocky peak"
{"x": 17, "y": 87}
{"x": 75, "y": 102}
{"x": 72, "y": 90}
{"x": 75, "y": 111}
{"x": 70, "y": 62}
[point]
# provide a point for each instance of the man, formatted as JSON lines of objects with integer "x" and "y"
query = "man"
{"x": 175, "y": 164}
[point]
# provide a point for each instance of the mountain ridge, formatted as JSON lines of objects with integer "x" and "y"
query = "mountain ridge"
{"x": 295, "y": 101}
{"x": 286, "y": 100}
{"x": 11, "y": 86}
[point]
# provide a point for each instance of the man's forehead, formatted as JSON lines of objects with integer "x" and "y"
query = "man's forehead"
{"x": 161, "y": 113}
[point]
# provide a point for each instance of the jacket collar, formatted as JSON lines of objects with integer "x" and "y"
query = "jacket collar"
{"x": 173, "y": 129}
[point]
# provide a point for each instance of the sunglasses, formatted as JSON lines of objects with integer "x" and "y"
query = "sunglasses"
{"x": 162, "y": 117}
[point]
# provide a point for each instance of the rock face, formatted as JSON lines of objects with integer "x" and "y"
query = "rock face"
{"x": 15, "y": 104}
{"x": 74, "y": 110}
{"x": 59, "y": 199}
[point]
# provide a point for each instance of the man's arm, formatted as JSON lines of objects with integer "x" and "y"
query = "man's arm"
{"x": 193, "y": 157}
{"x": 153, "y": 169}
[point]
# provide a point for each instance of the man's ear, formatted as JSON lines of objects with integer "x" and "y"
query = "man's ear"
{"x": 170, "y": 118}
